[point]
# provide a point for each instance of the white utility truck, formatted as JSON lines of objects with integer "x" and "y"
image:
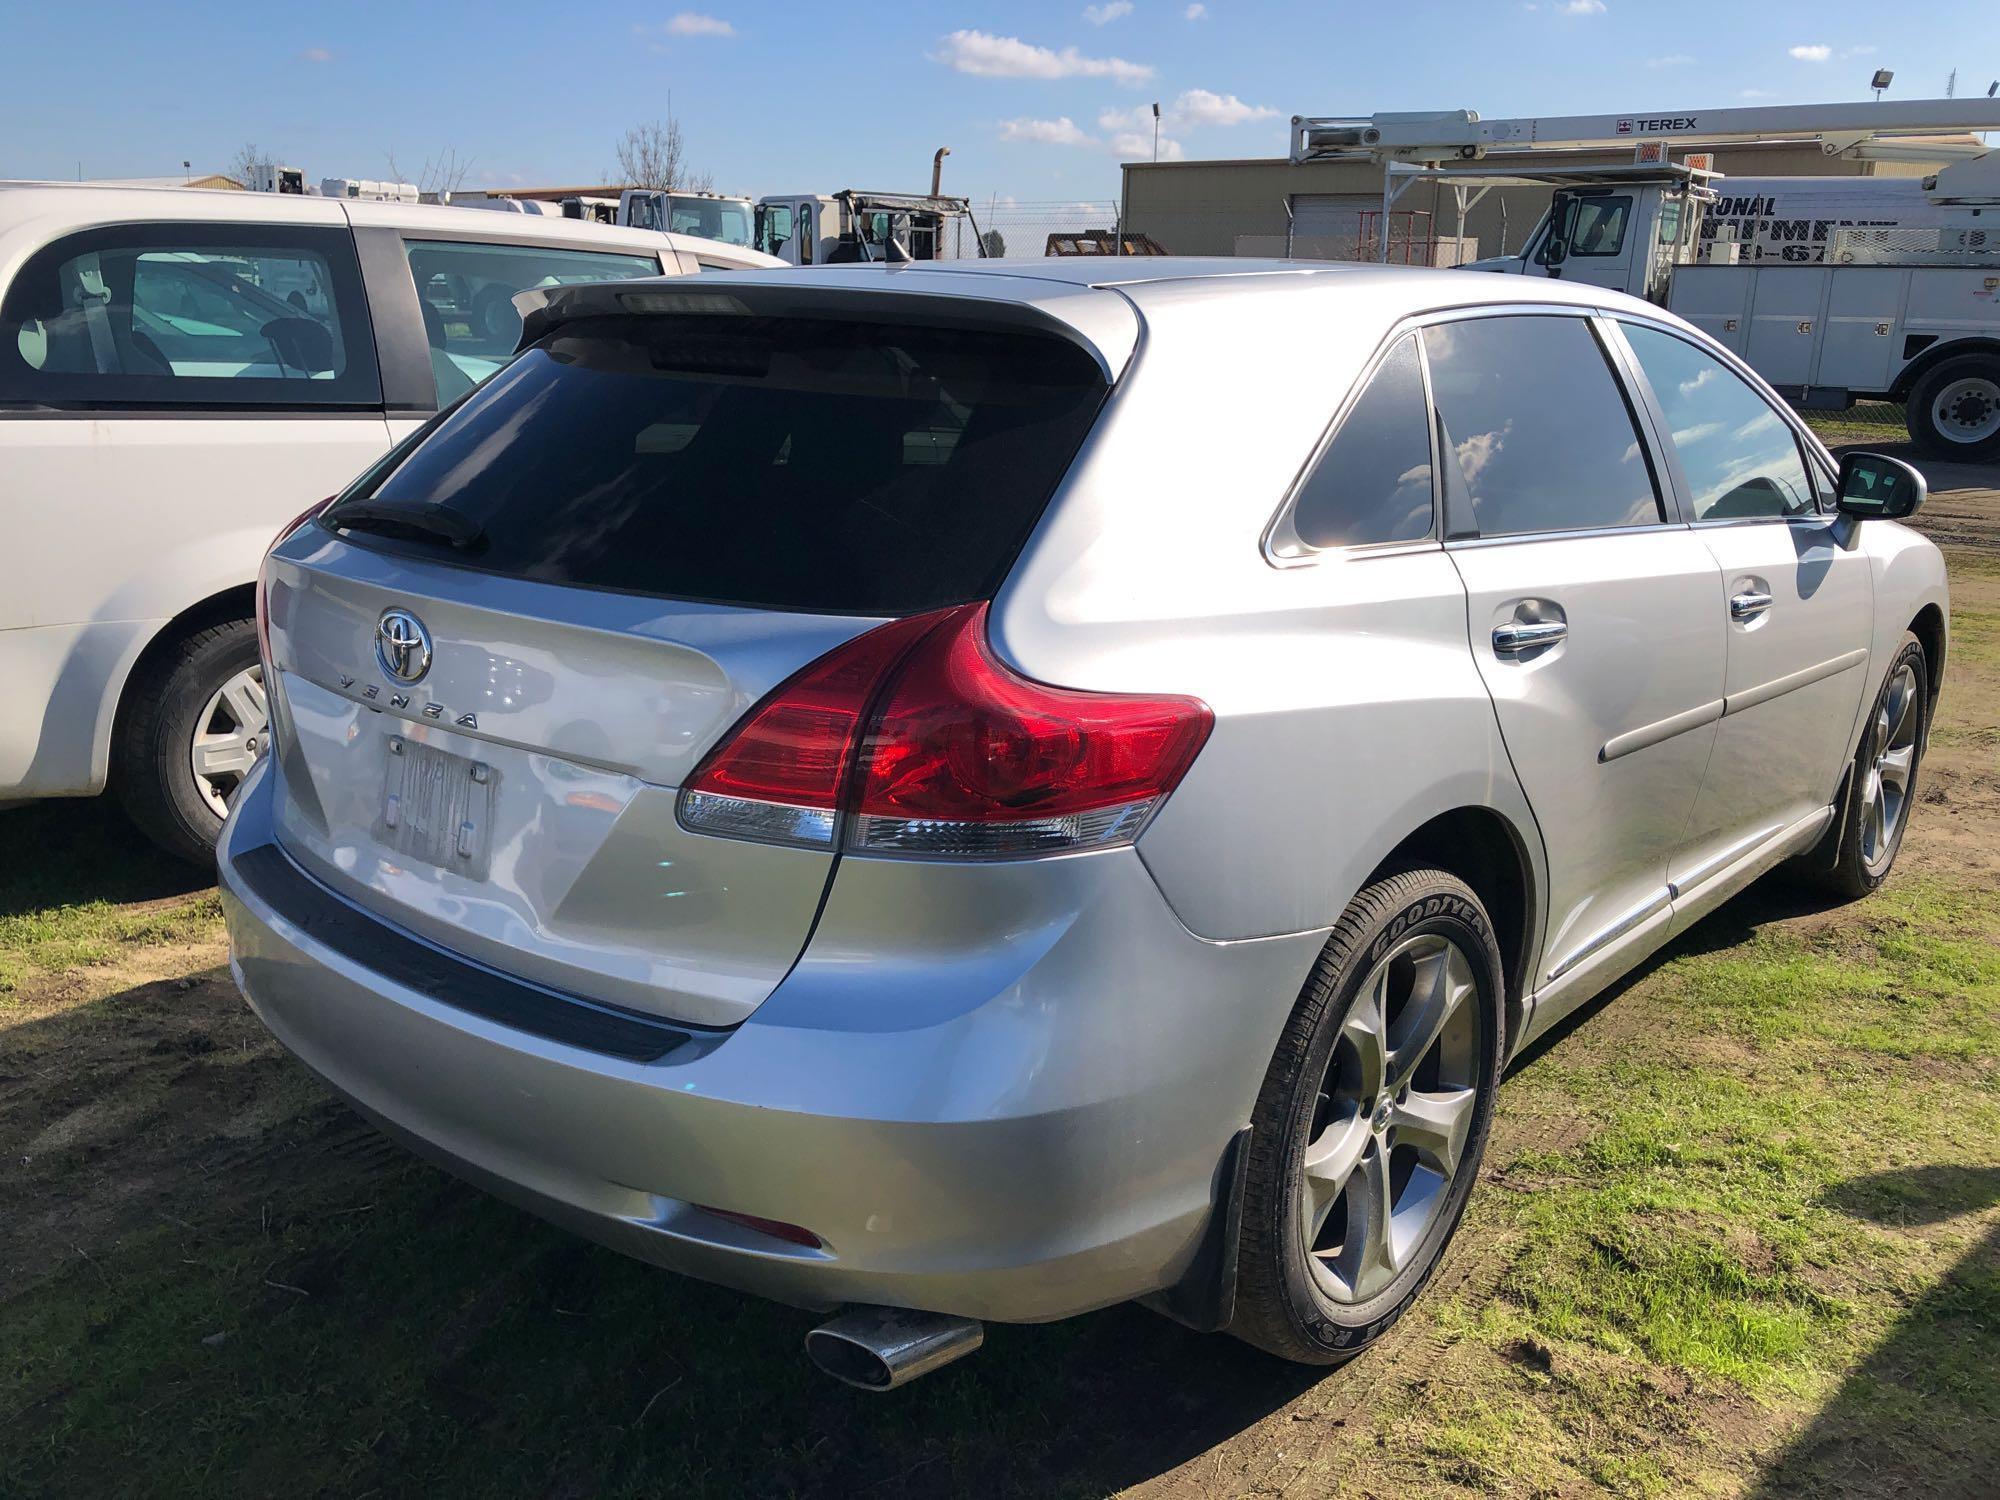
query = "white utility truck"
{"x": 713, "y": 216}
{"x": 1834, "y": 289}
{"x": 807, "y": 229}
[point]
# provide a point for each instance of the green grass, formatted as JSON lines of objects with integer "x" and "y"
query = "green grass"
{"x": 67, "y": 896}
{"x": 1864, "y": 422}
{"x": 1731, "y": 1221}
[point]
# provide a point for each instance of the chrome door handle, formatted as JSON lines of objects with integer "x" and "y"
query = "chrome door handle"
{"x": 1748, "y": 606}
{"x": 1512, "y": 640}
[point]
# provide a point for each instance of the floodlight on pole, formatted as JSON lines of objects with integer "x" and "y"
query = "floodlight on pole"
{"x": 1156, "y": 132}
{"x": 1883, "y": 78}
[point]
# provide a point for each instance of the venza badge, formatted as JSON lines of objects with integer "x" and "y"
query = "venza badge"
{"x": 402, "y": 645}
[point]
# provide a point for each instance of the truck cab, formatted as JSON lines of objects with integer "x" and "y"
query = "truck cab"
{"x": 1624, "y": 229}
{"x": 806, "y": 229}
{"x": 712, "y": 216}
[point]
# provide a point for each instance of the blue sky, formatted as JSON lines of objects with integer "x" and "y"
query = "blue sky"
{"x": 1037, "y": 101}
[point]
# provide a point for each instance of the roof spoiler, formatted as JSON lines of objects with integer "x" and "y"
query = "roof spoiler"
{"x": 1103, "y": 327}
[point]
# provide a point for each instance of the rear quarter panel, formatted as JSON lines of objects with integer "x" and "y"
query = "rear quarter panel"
{"x": 1348, "y": 709}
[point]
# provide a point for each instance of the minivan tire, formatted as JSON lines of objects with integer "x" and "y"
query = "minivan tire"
{"x": 1980, "y": 376}
{"x": 151, "y": 766}
{"x": 1855, "y": 872}
{"x": 1282, "y": 1304}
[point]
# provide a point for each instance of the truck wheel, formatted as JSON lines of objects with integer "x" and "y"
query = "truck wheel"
{"x": 1369, "y": 1129}
{"x": 1954, "y": 410}
{"x": 193, "y": 723}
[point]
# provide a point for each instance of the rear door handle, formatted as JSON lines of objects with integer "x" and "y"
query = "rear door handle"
{"x": 1512, "y": 640}
{"x": 1748, "y": 605}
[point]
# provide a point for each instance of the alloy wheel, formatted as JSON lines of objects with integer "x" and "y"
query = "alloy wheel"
{"x": 1885, "y": 793}
{"x": 229, "y": 734}
{"x": 1391, "y": 1117}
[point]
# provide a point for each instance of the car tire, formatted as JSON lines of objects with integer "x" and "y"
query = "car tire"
{"x": 207, "y": 684}
{"x": 1954, "y": 409}
{"x": 1876, "y": 812}
{"x": 1340, "y": 1232}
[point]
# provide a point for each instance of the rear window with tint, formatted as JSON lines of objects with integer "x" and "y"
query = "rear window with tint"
{"x": 777, "y": 462}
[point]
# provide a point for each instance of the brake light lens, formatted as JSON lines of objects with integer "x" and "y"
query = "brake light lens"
{"x": 263, "y": 610}
{"x": 916, "y": 739}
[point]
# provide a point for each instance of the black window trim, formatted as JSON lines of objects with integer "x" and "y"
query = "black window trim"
{"x": 1280, "y": 533}
{"x": 1463, "y": 530}
{"x": 335, "y": 242}
{"x": 1812, "y": 455}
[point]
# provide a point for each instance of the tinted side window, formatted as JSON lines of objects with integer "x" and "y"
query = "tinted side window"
{"x": 1536, "y": 435}
{"x": 190, "y": 315}
{"x": 1373, "y": 482}
{"x": 467, "y": 295}
{"x": 1739, "y": 456}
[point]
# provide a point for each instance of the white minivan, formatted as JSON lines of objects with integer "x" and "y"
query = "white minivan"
{"x": 181, "y": 373}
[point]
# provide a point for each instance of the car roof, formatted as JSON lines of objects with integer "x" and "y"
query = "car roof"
{"x": 1390, "y": 291}
{"x": 101, "y": 203}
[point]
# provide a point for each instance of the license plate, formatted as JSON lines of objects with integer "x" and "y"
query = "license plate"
{"x": 437, "y": 807}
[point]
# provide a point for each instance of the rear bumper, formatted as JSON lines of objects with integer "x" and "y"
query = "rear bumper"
{"x": 1020, "y": 1123}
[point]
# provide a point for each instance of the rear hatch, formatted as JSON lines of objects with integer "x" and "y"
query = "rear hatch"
{"x": 499, "y": 655}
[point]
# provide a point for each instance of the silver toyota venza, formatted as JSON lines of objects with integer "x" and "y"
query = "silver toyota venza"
{"x": 985, "y": 791}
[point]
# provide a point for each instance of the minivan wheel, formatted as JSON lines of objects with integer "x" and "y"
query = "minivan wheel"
{"x": 194, "y": 723}
{"x": 1884, "y": 777}
{"x": 1370, "y": 1127}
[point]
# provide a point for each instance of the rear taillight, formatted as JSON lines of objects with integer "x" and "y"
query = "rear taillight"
{"x": 263, "y": 610}
{"x": 916, "y": 739}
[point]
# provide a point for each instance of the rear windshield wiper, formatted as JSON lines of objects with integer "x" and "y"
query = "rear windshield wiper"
{"x": 423, "y": 523}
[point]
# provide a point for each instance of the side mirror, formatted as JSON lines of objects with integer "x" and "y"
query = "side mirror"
{"x": 1876, "y": 487}
{"x": 1554, "y": 248}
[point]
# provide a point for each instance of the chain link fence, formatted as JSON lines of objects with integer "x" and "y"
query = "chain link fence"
{"x": 1017, "y": 229}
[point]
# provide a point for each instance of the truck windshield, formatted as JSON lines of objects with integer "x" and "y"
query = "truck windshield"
{"x": 785, "y": 463}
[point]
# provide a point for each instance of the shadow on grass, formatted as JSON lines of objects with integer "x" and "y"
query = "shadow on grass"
{"x": 1933, "y": 1385}
{"x": 296, "y": 1306}
{"x": 73, "y": 850}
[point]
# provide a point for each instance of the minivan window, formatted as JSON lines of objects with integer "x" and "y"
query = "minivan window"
{"x": 189, "y": 315}
{"x": 1740, "y": 458}
{"x": 1373, "y": 481}
{"x": 466, "y": 291}
{"x": 1535, "y": 432}
{"x": 785, "y": 463}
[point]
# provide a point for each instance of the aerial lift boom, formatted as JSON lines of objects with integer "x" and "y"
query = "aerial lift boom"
{"x": 1438, "y": 136}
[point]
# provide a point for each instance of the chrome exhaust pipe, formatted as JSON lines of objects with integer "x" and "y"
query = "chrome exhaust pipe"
{"x": 880, "y": 1348}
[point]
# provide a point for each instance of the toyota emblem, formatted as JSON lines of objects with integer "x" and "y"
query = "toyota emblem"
{"x": 402, "y": 645}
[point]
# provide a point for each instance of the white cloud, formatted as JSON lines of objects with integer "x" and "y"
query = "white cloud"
{"x": 1857, "y": 52}
{"x": 1582, "y": 7}
{"x": 984, "y": 55}
{"x": 1196, "y": 13}
{"x": 1755, "y": 94}
{"x": 1138, "y": 145}
{"x": 694, "y": 23}
{"x": 1200, "y": 107}
{"x": 1671, "y": 60}
{"x": 316, "y": 55}
{"x": 1193, "y": 109}
{"x": 1816, "y": 52}
{"x": 1104, "y": 15}
{"x": 1061, "y": 132}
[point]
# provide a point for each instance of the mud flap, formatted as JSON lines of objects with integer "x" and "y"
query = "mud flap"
{"x": 1204, "y": 1299}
